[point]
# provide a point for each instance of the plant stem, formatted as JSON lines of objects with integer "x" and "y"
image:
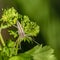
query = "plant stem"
{"x": 1, "y": 39}
{"x": 18, "y": 42}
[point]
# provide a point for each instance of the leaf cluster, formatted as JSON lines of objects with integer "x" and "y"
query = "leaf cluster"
{"x": 9, "y": 49}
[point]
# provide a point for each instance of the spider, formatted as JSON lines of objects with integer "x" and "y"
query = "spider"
{"x": 22, "y": 33}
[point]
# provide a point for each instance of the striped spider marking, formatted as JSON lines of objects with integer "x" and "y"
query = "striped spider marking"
{"x": 20, "y": 30}
{"x": 22, "y": 33}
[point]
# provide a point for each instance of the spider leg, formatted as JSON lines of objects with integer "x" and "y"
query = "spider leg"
{"x": 36, "y": 42}
{"x": 18, "y": 43}
{"x": 33, "y": 40}
{"x": 15, "y": 26}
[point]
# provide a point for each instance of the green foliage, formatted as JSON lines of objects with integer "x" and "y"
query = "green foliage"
{"x": 37, "y": 53}
{"x": 47, "y": 14}
{"x": 30, "y": 28}
{"x": 10, "y": 16}
{"x": 10, "y": 43}
{"x": 22, "y": 57}
{"x": 42, "y": 53}
{"x": 9, "y": 49}
{"x": 14, "y": 33}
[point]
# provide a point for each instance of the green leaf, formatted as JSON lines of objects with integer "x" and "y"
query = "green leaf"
{"x": 10, "y": 43}
{"x": 12, "y": 49}
{"x": 42, "y": 53}
{"x": 21, "y": 57}
{"x": 30, "y": 28}
{"x": 10, "y": 16}
{"x": 4, "y": 26}
{"x": 14, "y": 33}
{"x": 37, "y": 53}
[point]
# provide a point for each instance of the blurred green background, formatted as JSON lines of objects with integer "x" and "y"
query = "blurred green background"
{"x": 46, "y": 13}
